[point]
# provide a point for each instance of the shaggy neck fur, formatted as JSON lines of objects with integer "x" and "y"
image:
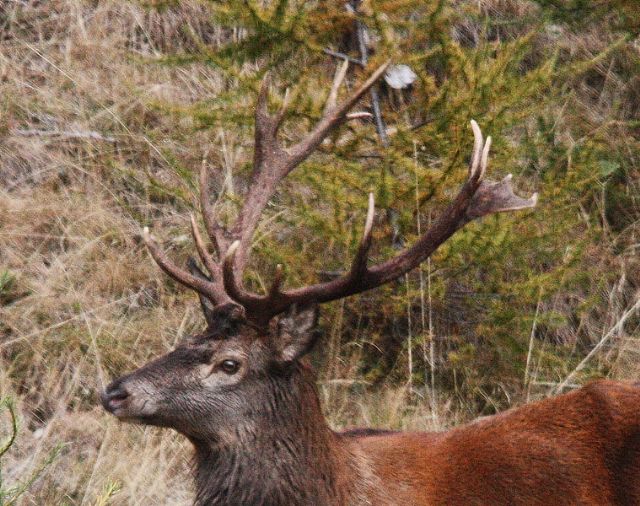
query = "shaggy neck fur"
{"x": 289, "y": 458}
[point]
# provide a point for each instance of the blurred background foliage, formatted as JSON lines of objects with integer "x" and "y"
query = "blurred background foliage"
{"x": 109, "y": 109}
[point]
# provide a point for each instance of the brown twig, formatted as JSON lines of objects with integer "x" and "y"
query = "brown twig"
{"x": 65, "y": 134}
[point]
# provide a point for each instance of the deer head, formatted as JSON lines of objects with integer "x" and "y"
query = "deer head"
{"x": 243, "y": 376}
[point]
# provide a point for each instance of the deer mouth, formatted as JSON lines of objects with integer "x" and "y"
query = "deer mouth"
{"x": 129, "y": 412}
{"x": 114, "y": 406}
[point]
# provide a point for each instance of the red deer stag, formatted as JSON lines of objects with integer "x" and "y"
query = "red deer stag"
{"x": 246, "y": 398}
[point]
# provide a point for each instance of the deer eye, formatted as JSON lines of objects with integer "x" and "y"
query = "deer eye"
{"x": 229, "y": 366}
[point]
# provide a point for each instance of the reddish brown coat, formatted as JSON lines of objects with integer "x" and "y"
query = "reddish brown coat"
{"x": 581, "y": 448}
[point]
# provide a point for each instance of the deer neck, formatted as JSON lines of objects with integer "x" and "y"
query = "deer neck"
{"x": 290, "y": 458}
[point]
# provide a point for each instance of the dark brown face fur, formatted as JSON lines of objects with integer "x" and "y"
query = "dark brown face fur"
{"x": 214, "y": 384}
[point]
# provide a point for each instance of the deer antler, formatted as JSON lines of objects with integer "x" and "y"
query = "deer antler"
{"x": 475, "y": 199}
{"x": 271, "y": 163}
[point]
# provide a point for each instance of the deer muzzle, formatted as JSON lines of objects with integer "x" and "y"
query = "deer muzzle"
{"x": 128, "y": 401}
{"x": 114, "y": 398}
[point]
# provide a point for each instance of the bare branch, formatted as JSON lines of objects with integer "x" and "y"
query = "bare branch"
{"x": 64, "y": 134}
{"x": 338, "y": 79}
{"x": 342, "y": 56}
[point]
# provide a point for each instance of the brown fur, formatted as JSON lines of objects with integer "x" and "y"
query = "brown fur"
{"x": 582, "y": 448}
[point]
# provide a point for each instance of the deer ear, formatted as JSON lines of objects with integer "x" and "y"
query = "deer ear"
{"x": 206, "y": 305}
{"x": 297, "y": 332}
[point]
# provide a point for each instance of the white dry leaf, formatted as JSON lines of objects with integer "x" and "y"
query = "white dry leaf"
{"x": 400, "y": 76}
{"x": 181, "y": 240}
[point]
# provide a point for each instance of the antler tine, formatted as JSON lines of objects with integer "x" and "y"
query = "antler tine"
{"x": 261, "y": 308}
{"x": 267, "y": 125}
{"x": 206, "y": 258}
{"x": 283, "y": 108}
{"x": 202, "y": 286}
{"x": 278, "y": 278}
{"x": 231, "y": 284}
{"x": 360, "y": 260}
{"x": 272, "y": 162}
{"x": 477, "y": 149}
{"x": 485, "y": 158}
{"x": 330, "y": 120}
{"x": 214, "y": 231}
{"x": 263, "y": 95}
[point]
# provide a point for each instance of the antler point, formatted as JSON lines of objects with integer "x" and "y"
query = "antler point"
{"x": 370, "y": 214}
{"x": 232, "y": 250}
{"x": 485, "y": 157}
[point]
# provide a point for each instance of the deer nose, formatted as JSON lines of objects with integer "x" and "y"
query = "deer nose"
{"x": 114, "y": 396}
